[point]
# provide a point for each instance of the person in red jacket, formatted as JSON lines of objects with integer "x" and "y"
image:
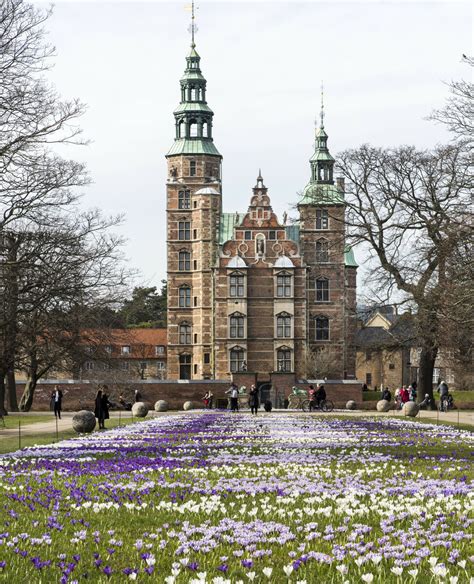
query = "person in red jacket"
{"x": 404, "y": 395}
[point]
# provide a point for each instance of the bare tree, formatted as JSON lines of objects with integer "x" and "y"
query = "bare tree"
{"x": 320, "y": 363}
{"x": 412, "y": 210}
{"x": 458, "y": 113}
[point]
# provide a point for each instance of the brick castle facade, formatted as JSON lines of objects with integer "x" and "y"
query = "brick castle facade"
{"x": 246, "y": 291}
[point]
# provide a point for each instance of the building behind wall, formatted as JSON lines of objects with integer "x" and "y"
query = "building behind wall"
{"x": 246, "y": 291}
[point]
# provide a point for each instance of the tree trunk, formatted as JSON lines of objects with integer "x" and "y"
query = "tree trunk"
{"x": 3, "y": 411}
{"x": 28, "y": 394}
{"x": 11, "y": 387}
{"x": 425, "y": 372}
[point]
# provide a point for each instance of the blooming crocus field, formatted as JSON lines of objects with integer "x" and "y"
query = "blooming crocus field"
{"x": 221, "y": 498}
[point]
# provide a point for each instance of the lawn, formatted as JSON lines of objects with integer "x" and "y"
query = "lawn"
{"x": 227, "y": 499}
{"x": 12, "y": 443}
{"x": 11, "y": 421}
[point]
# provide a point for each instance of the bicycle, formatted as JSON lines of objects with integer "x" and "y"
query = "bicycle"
{"x": 326, "y": 405}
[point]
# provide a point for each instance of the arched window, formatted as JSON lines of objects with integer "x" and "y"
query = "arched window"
{"x": 184, "y": 261}
{"x": 284, "y": 282}
{"x": 322, "y": 251}
{"x": 193, "y": 128}
{"x": 236, "y": 285}
{"x": 236, "y": 326}
{"x": 284, "y": 359}
{"x": 185, "y": 297}
{"x": 237, "y": 359}
{"x": 205, "y": 130}
{"x": 181, "y": 132}
{"x": 185, "y": 366}
{"x": 284, "y": 325}
{"x": 184, "y": 333}
{"x": 322, "y": 328}
{"x": 322, "y": 290}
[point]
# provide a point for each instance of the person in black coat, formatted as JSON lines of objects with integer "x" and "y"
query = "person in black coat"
{"x": 57, "y": 401}
{"x": 253, "y": 400}
{"x": 105, "y": 406}
{"x": 99, "y": 408}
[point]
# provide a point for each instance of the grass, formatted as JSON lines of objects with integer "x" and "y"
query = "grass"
{"x": 11, "y": 421}
{"x": 12, "y": 443}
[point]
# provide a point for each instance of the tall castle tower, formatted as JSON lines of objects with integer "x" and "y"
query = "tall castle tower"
{"x": 193, "y": 213}
{"x": 331, "y": 268}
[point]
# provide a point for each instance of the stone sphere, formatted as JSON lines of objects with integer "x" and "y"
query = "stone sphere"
{"x": 410, "y": 409}
{"x": 83, "y": 422}
{"x": 139, "y": 410}
{"x": 188, "y": 406}
{"x": 383, "y": 405}
{"x": 351, "y": 405}
{"x": 161, "y": 406}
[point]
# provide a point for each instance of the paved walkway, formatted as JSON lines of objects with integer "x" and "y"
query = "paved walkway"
{"x": 65, "y": 423}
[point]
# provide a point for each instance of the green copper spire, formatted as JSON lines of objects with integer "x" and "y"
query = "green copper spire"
{"x": 321, "y": 189}
{"x": 193, "y": 117}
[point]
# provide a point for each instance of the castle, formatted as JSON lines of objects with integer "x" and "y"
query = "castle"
{"x": 246, "y": 291}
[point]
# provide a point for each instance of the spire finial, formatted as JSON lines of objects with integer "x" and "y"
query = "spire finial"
{"x": 192, "y": 27}
{"x": 322, "y": 105}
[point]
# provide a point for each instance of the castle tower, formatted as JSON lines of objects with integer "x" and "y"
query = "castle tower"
{"x": 193, "y": 212}
{"x": 331, "y": 269}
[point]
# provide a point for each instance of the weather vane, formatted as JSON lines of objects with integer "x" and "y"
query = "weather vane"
{"x": 193, "y": 26}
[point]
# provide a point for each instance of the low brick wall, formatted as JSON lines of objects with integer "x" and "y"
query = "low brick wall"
{"x": 81, "y": 394}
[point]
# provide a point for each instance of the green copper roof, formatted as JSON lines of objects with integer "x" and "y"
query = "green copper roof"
{"x": 349, "y": 258}
{"x": 228, "y": 222}
{"x": 192, "y": 75}
{"x": 320, "y": 154}
{"x": 193, "y": 146}
{"x": 321, "y": 194}
{"x": 194, "y": 106}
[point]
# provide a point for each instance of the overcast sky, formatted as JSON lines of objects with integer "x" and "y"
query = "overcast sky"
{"x": 383, "y": 66}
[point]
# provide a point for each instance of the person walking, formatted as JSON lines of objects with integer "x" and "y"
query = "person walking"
{"x": 105, "y": 404}
{"x": 234, "y": 397}
{"x": 57, "y": 401}
{"x": 98, "y": 409}
{"x": 253, "y": 400}
{"x": 138, "y": 396}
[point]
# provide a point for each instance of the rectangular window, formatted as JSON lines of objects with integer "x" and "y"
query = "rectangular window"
{"x": 126, "y": 350}
{"x": 160, "y": 365}
{"x": 195, "y": 338}
{"x": 322, "y": 219}
{"x": 124, "y": 365}
{"x": 322, "y": 328}
{"x": 272, "y": 235}
{"x": 143, "y": 365}
{"x": 322, "y": 251}
{"x": 195, "y": 369}
{"x": 284, "y": 327}
{"x": 284, "y": 286}
{"x": 322, "y": 290}
{"x": 207, "y": 358}
{"x": 184, "y": 230}
{"x": 185, "y": 297}
{"x": 159, "y": 350}
{"x": 236, "y": 327}
{"x": 236, "y": 286}
{"x": 195, "y": 265}
{"x": 391, "y": 366}
{"x": 184, "y": 199}
{"x": 368, "y": 379}
{"x": 184, "y": 261}
{"x": 89, "y": 365}
{"x": 108, "y": 349}
{"x": 284, "y": 360}
{"x": 247, "y": 235}
{"x": 195, "y": 300}
{"x": 195, "y": 233}
{"x": 192, "y": 168}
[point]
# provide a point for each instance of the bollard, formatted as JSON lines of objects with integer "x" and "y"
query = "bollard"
{"x": 57, "y": 432}
{"x": 120, "y": 417}
{"x": 458, "y": 416}
{"x": 19, "y": 435}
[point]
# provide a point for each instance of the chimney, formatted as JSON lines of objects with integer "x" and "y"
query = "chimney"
{"x": 340, "y": 183}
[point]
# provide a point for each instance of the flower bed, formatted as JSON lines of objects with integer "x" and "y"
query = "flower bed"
{"x": 227, "y": 498}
